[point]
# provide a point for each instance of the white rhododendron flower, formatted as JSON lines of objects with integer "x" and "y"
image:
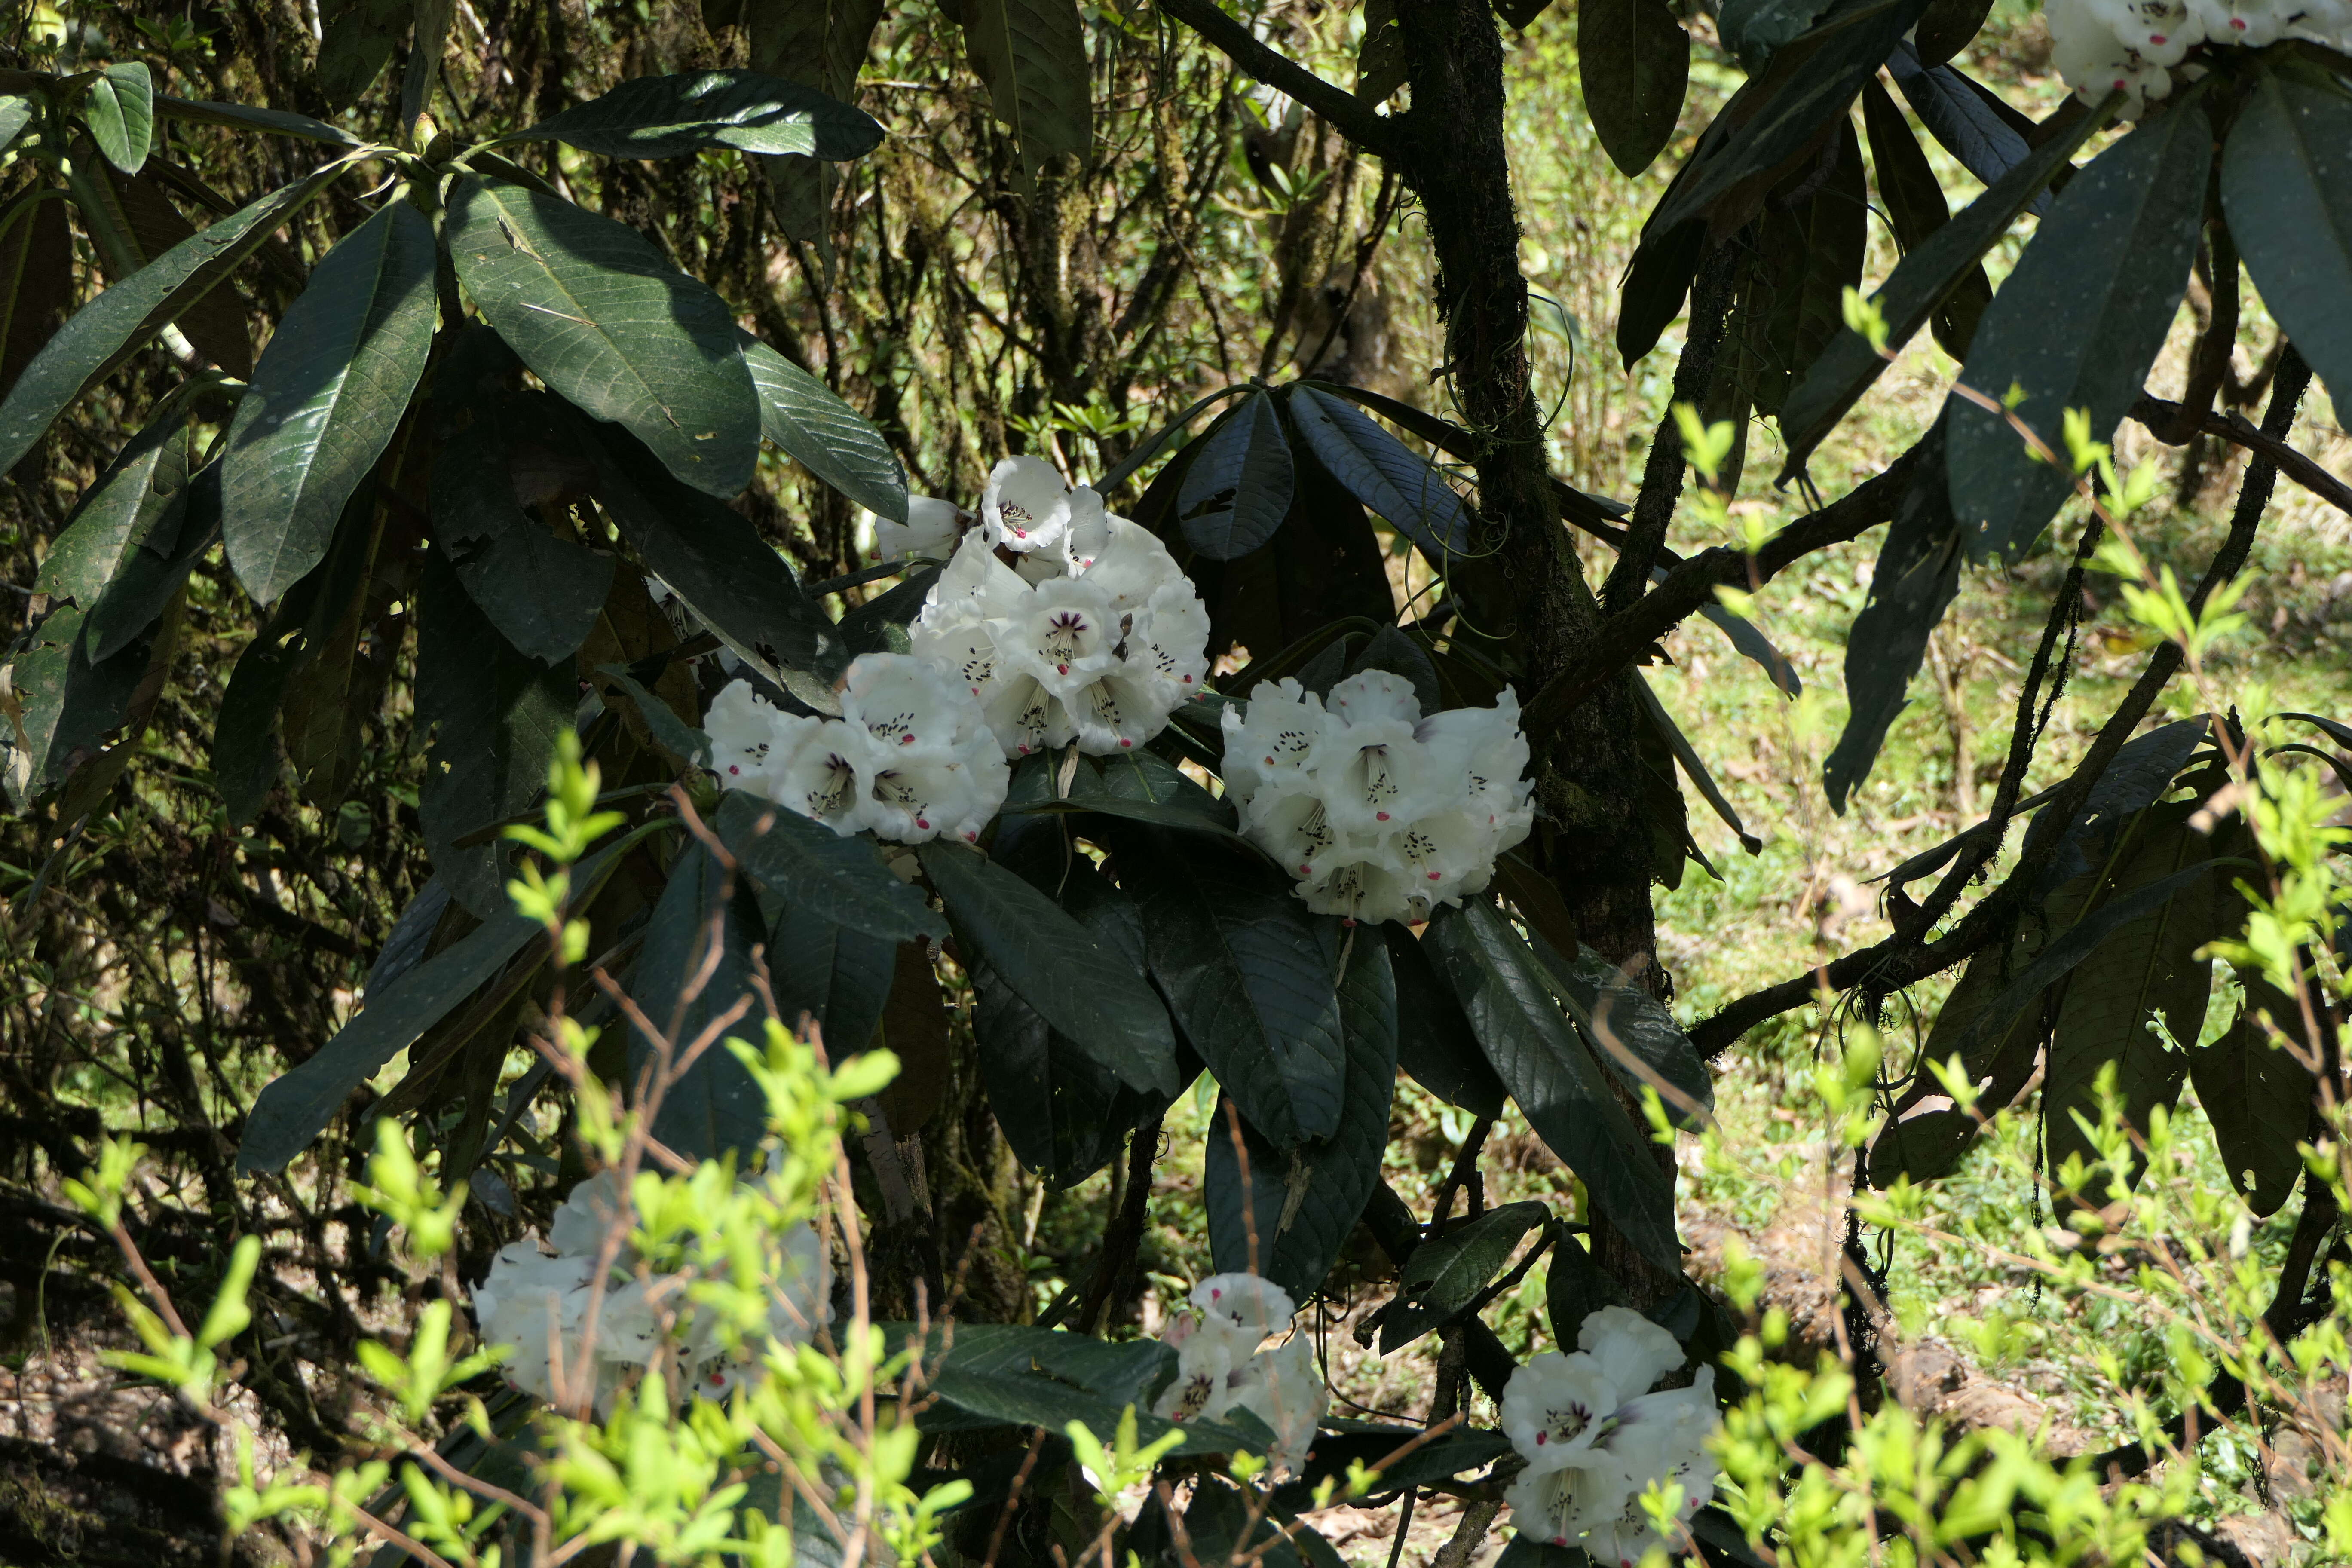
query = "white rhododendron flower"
{"x": 1094, "y": 644}
{"x": 1595, "y": 1441}
{"x": 911, "y": 757}
{"x": 930, "y": 531}
{"x": 1027, "y": 507}
{"x": 536, "y": 1302}
{"x": 2133, "y": 46}
{"x": 1221, "y": 1368}
{"x": 1381, "y": 813}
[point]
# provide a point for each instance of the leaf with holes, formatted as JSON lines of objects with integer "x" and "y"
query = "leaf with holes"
{"x": 1443, "y": 1276}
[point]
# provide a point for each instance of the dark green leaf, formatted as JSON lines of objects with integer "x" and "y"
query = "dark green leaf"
{"x": 543, "y": 592}
{"x": 2143, "y": 771}
{"x": 713, "y": 558}
{"x": 1752, "y": 29}
{"x": 1916, "y": 210}
{"x": 65, "y": 705}
{"x": 1575, "y": 1287}
{"x": 1914, "y": 582}
{"x": 1527, "y": 1551}
{"x": 1692, "y": 764}
{"x": 1947, "y": 27}
{"x": 1457, "y": 1453}
{"x": 128, "y": 522}
{"x": 1656, "y": 284}
{"x": 841, "y": 878}
{"x": 2257, "y": 1095}
{"x": 1547, "y": 1069}
{"x": 1122, "y": 1373}
{"x": 1290, "y": 1216}
{"x": 245, "y": 117}
{"x": 1383, "y": 473}
{"x": 297, "y": 1106}
{"x": 1633, "y": 60}
{"x": 1393, "y": 650}
{"x": 137, "y": 222}
{"x": 835, "y": 976}
{"x": 1816, "y": 248}
{"x": 1238, "y": 487}
{"x": 1630, "y": 1030}
{"x": 16, "y": 113}
{"x": 359, "y": 38}
{"x": 598, "y": 315}
{"x": 113, "y": 327}
{"x": 672, "y": 733}
{"x": 329, "y": 391}
{"x": 1922, "y": 281}
{"x": 1434, "y": 1042}
{"x": 823, "y": 435}
{"x": 37, "y": 277}
{"x": 118, "y": 109}
{"x": 2078, "y": 323}
{"x": 879, "y": 624}
{"x": 1971, "y": 128}
{"x": 494, "y": 714}
{"x": 1088, "y": 992}
{"x": 665, "y": 116}
{"x": 1123, "y": 787}
{"x": 1032, "y": 56}
{"x": 715, "y": 1105}
{"x": 1223, "y": 1527}
{"x": 2286, "y": 185}
{"x": 1249, "y": 973}
{"x": 2147, "y": 969}
{"x": 1441, "y": 1277}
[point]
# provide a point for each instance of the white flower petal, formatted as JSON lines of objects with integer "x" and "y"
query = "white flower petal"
{"x": 1635, "y": 1352}
{"x": 1026, "y": 506}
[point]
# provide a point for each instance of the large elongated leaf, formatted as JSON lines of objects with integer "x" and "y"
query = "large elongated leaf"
{"x": 823, "y": 435}
{"x": 1633, "y": 61}
{"x": 2258, "y": 1095}
{"x": 115, "y": 325}
{"x": 119, "y": 109}
{"x": 1752, "y": 29}
{"x": 1564, "y": 1092}
{"x": 2286, "y": 185}
{"x": 360, "y": 37}
{"x": 1288, "y": 1217}
{"x": 1928, "y": 1133}
{"x": 1238, "y": 489}
{"x": 832, "y": 975}
{"x": 665, "y": 116}
{"x": 598, "y": 315}
{"x": 541, "y": 590}
{"x": 1916, "y": 209}
{"x": 1434, "y": 1042}
{"x": 329, "y": 391}
{"x": 804, "y": 861}
{"x": 35, "y": 276}
{"x": 1250, "y": 975}
{"x": 246, "y": 117}
{"x": 1917, "y": 575}
{"x": 1032, "y": 56}
{"x": 2078, "y": 323}
{"x": 495, "y": 714}
{"x": 67, "y": 708}
{"x": 2148, "y": 970}
{"x": 715, "y": 1105}
{"x": 713, "y": 558}
{"x": 296, "y": 1107}
{"x": 2143, "y": 771}
{"x": 1383, "y": 473}
{"x": 1972, "y": 130}
{"x": 1088, "y": 992}
{"x": 1443, "y": 1276}
{"x": 130, "y": 520}
{"x": 1630, "y": 1030}
{"x": 1929, "y": 274}
{"x": 134, "y": 223}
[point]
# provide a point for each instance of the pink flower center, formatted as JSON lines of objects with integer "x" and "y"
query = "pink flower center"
{"x": 923, "y": 823}
{"x": 1383, "y": 816}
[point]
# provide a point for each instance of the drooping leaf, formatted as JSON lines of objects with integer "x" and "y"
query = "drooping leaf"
{"x": 16, "y": 113}
{"x": 35, "y": 276}
{"x": 840, "y": 879}
{"x": 543, "y": 592}
{"x": 329, "y": 391}
{"x": 110, "y": 328}
{"x": 1299, "y": 1205}
{"x": 1630, "y": 1031}
{"x": 1817, "y": 246}
{"x": 1127, "y": 1372}
{"x": 135, "y": 222}
{"x": 1575, "y": 1287}
{"x": 1752, "y": 29}
{"x": 129, "y": 521}
{"x": 1916, "y": 209}
{"x": 715, "y": 1105}
{"x": 1633, "y": 61}
{"x": 1914, "y": 582}
{"x": 357, "y": 44}
{"x": 1970, "y": 129}
{"x": 835, "y": 976}
{"x": 246, "y": 117}
{"x": 296, "y": 1107}
{"x": 1032, "y": 56}
{"x": 667, "y": 116}
{"x": 2258, "y": 1095}
{"x": 2110, "y": 263}
{"x": 1928, "y": 1133}
{"x": 1238, "y": 489}
{"x": 1224, "y": 1527}
{"x": 63, "y": 707}
{"x": 425, "y": 47}
{"x": 1383, "y": 473}
{"x": 1441, "y": 1277}
{"x": 494, "y": 714}
{"x": 2142, "y": 771}
{"x": 2147, "y": 971}
{"x": 1435, "y": 1043}
{"x": 713, "y": 558}
{"x": 1948, "y": 26}
{"x": 1249, "y": 973}
{"x": 598, "y": 315}
{"x": 1657, "y": 283}
{"x": 2284, "y": 185}
{"x": 1927, "y": 276}
{"x": 1693, "y": 765}
{"x": 118, "y": 109}
{"x": 1548, "y": 1071}
{"x": 1079, "y": 986}
{"x": 823, "y": 435}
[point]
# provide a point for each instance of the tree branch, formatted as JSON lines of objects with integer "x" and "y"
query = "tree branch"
{"x": 1902, "y": 959}
{"x": 2161, "y": 417}
{"x": 1353, "y": 118}
{"x": 1692, "y": 585}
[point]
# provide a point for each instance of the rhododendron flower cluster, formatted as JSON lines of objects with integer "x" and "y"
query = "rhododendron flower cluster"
{"x": 1380, "y": 812}
{"x": 536, "y": 1302}
{"x": 2135, "y": 46}
{"x": 1594, "y": 1441}
{"x": 1220, "y": 1367}
{"x": 1094, "y": 637}
{"x": 910, "y": 756}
